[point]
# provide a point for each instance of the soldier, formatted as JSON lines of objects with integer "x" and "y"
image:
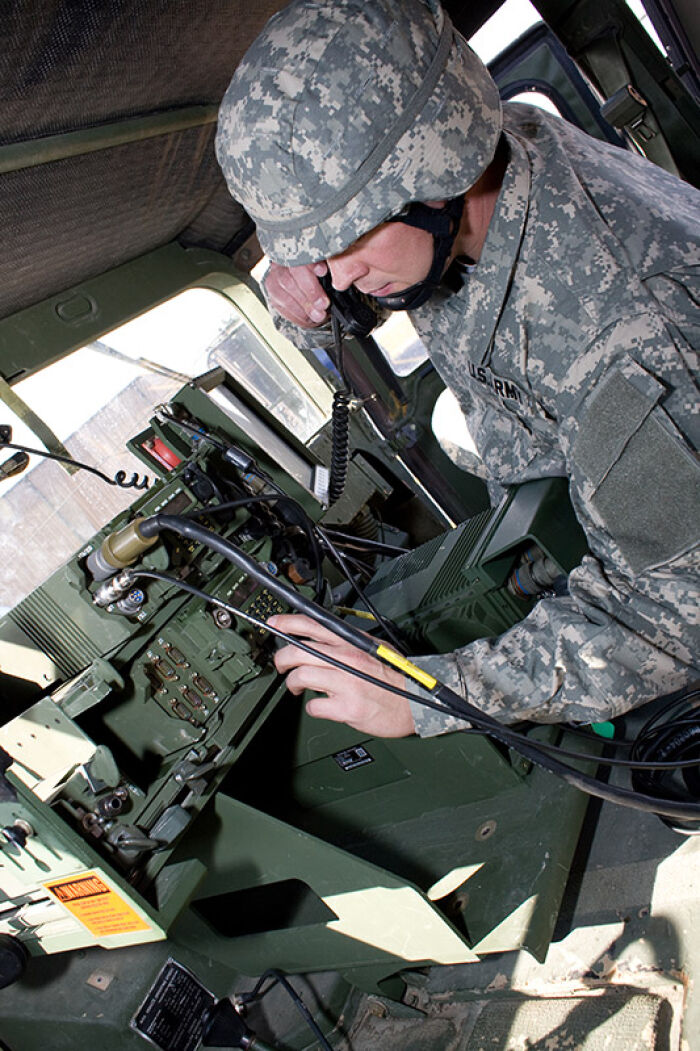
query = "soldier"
{"x": 368, "y": 140}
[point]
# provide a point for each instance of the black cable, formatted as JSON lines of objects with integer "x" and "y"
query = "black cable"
{"x": 337, "y": 335}
{"x": 669, "y": 735}
{"x": 340, "y": 444}
{"x": 674, "y": 702}
{"x": 382, "y": 621}
{"x": 196, "y": 430}
{"x": 453, "y": 704}
{"x": 119, "y": 479}
{"x": 312, "y": 530}
{"x": 634, "y": 800}
{"x": 449, "y": 703}
{"x": 610, "y": 761}
{"x": 358, "y": 567}
{"x": 268, "y": 481}
{"x": 278, "y": 977}
{"x": 292, "y": 640}
{"x": 151, "y": 527}
{"x": 246, "y": 463}
{"x": 267, "y": 498}
{"x": 251, "y": 466}
{"x": 365, "y": 543}
{"x": 611, "y": 742}
{"x": 240, "y": 459}
{"x": 243, "y": 461}
{"x": 340, "y": 411}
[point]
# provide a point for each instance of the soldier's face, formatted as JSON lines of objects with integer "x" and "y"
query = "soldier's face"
{"x": 386, "y": 260}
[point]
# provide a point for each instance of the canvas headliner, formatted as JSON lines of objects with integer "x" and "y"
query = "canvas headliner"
{"x": 70, "y": 65}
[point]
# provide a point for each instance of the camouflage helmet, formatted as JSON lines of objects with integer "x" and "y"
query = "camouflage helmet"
{"x": 344, "y": 111}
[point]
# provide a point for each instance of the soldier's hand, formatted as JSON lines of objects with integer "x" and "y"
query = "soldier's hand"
{"x": 343, "y": 697}
{"x": 296, "y": 293}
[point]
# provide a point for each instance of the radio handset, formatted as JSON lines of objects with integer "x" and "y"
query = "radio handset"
{"x": 351, "y": 309}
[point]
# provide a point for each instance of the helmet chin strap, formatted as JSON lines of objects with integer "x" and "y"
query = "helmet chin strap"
{"x": 443, "y": 224}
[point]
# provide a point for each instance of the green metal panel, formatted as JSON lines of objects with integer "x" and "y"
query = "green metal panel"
{"x": 380, "y": 917}
{"x": 455, "y": 588}
{"x": 489, "y": 837}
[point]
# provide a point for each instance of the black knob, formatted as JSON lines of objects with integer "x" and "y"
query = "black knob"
{"x": 15, "y": 834}
{"x": 13, "y": 960}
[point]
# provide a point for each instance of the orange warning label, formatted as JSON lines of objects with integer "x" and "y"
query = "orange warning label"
{"x": 97, "y": 905}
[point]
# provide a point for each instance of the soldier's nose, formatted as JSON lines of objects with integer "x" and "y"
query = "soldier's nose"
{"x": 345, "y": 270}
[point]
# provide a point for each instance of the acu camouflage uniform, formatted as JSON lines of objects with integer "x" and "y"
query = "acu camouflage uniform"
{"x": 572, "y": 351}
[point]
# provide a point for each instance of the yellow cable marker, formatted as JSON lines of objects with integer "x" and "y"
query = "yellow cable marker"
{"x": 406, "y": 666}
{"x": 350, "y": 612}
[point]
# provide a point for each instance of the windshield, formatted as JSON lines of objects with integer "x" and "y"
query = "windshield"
{"x": 99, "y": 397}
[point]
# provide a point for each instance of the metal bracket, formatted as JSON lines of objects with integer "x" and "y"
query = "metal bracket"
{"x": 628, "y": 109}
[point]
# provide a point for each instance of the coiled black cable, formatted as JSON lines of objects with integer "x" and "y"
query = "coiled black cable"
{"x": 340, "y": 444}
{"x": 340, "y": 414}
{"x": 120, "y": 479}
{"x": 672, "y": 737}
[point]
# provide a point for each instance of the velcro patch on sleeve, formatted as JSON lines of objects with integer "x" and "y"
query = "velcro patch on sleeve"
{"x": 645, "y": 479}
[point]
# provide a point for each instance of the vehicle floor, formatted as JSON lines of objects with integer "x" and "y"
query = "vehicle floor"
{"x": 618, "y": 975}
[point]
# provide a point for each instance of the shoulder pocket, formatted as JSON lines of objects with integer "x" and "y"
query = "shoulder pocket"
{"x": 639, "y": 474}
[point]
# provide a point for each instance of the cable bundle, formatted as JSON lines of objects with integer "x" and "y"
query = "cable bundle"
{"x": 672, "y": 736}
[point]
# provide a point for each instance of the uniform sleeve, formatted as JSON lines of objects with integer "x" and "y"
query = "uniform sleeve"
{"x": 305, "y": 339}
{"x": 628, "y": 630}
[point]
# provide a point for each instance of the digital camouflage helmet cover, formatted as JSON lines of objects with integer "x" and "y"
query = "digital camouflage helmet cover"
{"x": 343, "y": 111}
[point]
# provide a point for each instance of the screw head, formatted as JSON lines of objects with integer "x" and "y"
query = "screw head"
{"x": 222, "y": 618}
{"x": 485, "y": 830}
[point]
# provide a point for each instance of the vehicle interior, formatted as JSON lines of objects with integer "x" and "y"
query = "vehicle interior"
{"x": 186, "y": 857}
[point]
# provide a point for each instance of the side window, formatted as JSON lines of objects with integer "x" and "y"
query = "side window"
{"x": 533, "y": 97}
{"x": 529, "y": 64}
{"x": 400, "y": 344}
{"x": 510, "y": 21}
{"x": 452, "y": 432}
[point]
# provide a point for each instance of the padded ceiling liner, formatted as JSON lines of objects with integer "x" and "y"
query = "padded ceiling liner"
{"x": 71, "y": 65}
